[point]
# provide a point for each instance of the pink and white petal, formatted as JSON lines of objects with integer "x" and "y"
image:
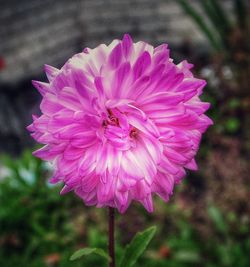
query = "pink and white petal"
{"x": 121, "y": 80}
{"x": 49, "y": 105}
{"x": 141, "y": 65}
{"x": 51, "y": 72}
{"x": 153, "y": 147}
{"x": 192, "y": 165}
{"x": 127, "y": 46}
{"x": 146, "y": 126}
{"x": 43, "y": 88}
{"x": 147, "y": 202}
{"x": 115, "y": 57}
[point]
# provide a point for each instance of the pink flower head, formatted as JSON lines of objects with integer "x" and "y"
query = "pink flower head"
{"x": 120, "y": 123}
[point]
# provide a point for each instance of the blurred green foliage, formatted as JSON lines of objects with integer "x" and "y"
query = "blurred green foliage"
{"x": 31, "y": 214}
{"x": 38, "y": 228}
{"x": 218, "y": 24}
{"x": 227, "y": 32}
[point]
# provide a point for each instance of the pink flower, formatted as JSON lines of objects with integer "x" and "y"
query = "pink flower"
{"x": 120, "y": 123}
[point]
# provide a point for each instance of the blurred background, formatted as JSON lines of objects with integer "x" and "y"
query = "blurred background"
{"x": 207, "y": 221}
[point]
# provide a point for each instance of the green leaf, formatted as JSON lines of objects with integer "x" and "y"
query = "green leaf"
{"x": 217, "y": 219}
{"x": 219, "y": 9}
{"x": 232, "y": 125}
{"x": 136, "y": 247}
{"x": 187, "y": 256}
{"x": 209, "y": 11}
{"x": 199, "y": 20}
{"x": 87, "y": 251}
{"x": 215, "y": 20}
{"x": 234, "y": 103}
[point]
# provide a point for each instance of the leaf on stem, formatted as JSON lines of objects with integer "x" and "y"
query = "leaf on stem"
{"x": 137, "y": 246}
{"x": 217, "y": 218}
{"x": 87, "y": 251}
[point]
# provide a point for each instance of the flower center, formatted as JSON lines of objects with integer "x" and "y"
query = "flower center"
{"x": 118, "y": 131}
{"x": 110, "y": 120}
{"x": 133, "y": 133}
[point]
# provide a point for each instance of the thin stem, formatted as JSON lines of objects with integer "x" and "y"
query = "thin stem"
{"x": 112, "y": 236}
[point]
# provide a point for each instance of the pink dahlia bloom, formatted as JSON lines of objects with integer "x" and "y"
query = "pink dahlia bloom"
{"x": 120, "y": 123}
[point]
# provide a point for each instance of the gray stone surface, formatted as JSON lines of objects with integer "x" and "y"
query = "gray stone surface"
{"x": 34, "y": 32}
